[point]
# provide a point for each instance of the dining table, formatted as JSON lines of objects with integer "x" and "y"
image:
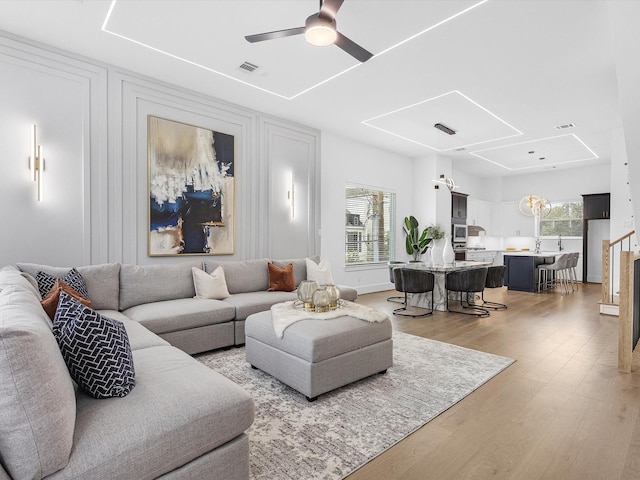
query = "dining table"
{"x": 440, "y": 292}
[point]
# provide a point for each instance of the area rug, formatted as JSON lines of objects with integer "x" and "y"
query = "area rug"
{"x": 344, "y": 429}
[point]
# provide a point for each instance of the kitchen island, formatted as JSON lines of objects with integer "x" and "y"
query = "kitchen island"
{"x": 521, "y": 273}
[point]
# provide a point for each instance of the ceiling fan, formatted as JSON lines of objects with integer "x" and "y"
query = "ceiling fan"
{"x": 320, "y": 30}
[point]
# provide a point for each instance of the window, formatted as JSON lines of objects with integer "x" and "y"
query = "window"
{"x": 369, "y": 225}
{"x": 564, "y": 219}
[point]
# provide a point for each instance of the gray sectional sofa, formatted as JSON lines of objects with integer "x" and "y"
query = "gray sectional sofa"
{"x": 182, "y": 420}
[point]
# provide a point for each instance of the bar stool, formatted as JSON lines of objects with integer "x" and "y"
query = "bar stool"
{"x": 467, "y": 281}
{"x": 559, "y": 268}
{"x": 410, "y": 280}
{"x": 495, "y": 279}
{"x": 572, "y": 264}
{"x": 393, "y": 265}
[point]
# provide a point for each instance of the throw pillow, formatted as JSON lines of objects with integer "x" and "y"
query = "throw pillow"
{"x": 50, "y": 302}
{"x": 95, "y": 348}
{"x": 211, "y": 285}
{"x": 281, "y": 278}
{"x": 71, "y": 278}
{"x": 320, "y": 272}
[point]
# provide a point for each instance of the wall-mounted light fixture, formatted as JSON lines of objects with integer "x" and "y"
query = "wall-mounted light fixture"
{"x": 451, "y": 185}
{"x": 291, "y": 195}
{"x": 36, "y": 162}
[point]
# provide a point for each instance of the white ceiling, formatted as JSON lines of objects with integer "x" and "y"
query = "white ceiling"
{"x": 502, "y": 74}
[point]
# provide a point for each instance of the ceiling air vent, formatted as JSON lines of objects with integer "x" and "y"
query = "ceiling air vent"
{"x": 248, "y": 67}
{"x": 566, "y": 125}
{"x": 445, "y": 129}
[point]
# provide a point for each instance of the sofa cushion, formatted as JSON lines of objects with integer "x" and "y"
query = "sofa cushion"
{"x": 210, "y": 285}
{"x": 181, "y": 314}
{"x": 50, "y": 302}
{"x": 95, "y": 348}
{"x": 37, "y": 398}
{"x": 348, "y": 293}
{"x": 243, "y": 277}
{"x": 248, "y": 303}
{"x": 139, "y": 336}
{"x": 320, "y": 272}
{"x": 141, "y": 284}
{"x": 178, "y": 411}
{"x": 299, "y": 267}
{"x": 72, "y": 278}
{"x": 281, "y": 278}
{"x": 102, "y": 281}
{"x": 11, "y": 276}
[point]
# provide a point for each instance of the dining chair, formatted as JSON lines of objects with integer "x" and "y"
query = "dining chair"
{"x": 469, "y": 282}
{"x": 410, "y": 280}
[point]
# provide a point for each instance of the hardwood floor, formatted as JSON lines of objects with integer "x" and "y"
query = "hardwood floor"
{"x": 561, "y": 411}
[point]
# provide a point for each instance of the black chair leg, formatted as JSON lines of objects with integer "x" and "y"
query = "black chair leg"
{"x": 404, "y": 308}
{"x": 476, "y": 311}
{"x": 395, "y": 299}
{"x": 491, "y": 305}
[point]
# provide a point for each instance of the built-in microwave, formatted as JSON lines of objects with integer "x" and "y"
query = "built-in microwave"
{"x": 459, "y": 233}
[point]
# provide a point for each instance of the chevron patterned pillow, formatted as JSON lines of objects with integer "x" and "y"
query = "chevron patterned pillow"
{"x": 71, "y": 278}
{"x": 95, "y": 348}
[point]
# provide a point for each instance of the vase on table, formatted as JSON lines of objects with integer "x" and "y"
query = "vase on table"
{"x": 437, "y": 251}
{"x": 448, "y": 255}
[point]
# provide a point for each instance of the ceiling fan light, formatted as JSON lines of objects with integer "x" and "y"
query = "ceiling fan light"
{"x": 320, "y": 35}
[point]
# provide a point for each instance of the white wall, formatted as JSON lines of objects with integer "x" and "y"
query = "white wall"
{"x": 623, "y": 17}
{"x": 345, "y": 161}
{"x": 92, "y": 123}
{"x": 558, "y": 185}
{"x": 63, "y": 97}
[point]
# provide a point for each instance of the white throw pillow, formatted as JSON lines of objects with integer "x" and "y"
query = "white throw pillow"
{"x": 320, "y": 272}
{"x": 211, "y": 285}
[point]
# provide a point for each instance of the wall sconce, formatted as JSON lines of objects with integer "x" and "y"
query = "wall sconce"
{"x": 36, "y": 162}
{"x": 291, "y": 195}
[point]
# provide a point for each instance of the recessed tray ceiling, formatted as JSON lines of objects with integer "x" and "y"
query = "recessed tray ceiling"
{"x": 545, "y": 152}
{"x": 210, "y": 35}
{"x": 472, "y": 122}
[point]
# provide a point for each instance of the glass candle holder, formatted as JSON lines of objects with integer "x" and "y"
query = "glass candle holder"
{"x": 321, "y": 300}
{"x": 334, "y": 295}
{"x": 305, "y": 293}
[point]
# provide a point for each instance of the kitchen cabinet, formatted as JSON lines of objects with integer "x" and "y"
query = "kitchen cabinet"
{"x": 596, "y": 206}
{"x": 514, "y": 223}
{"x": 481, "y": 255}
{"x": 595, "y": 228}
{"x": 480, "y": 213}
{"x": 458, "y": 207}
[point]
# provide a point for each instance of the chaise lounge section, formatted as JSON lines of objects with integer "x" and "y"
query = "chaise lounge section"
{"x": 181, "y": 420}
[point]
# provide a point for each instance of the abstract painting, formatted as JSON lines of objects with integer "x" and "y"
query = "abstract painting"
{"x": 191, "y": 189}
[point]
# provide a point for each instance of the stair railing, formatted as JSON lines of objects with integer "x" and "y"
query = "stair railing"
{"x": 609, "y": 262}
{"x": 625, "y": 321}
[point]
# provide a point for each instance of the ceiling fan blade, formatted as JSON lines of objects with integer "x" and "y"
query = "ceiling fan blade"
{"x": 330, "y": 8}
{"x": 261, "y": 37}
{"x": 353, "y": 48}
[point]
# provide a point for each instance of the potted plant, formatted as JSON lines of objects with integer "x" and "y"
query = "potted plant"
{"x": 416, "y": 243}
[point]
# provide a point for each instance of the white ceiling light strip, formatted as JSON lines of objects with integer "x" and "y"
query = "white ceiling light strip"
{"x": 209, "y": 69}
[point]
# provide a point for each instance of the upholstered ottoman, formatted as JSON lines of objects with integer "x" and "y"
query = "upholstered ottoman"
{"x": 316, "y": 356}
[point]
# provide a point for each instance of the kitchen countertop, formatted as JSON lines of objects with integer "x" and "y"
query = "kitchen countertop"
{"x": 531, "y": 253}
